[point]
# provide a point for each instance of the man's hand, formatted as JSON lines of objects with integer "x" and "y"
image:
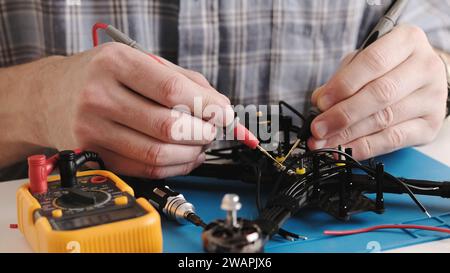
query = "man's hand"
{"x": 392, "y": 95}
{"x": 118, "y": 102}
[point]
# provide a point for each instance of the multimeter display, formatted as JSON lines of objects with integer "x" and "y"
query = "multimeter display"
{"x": 70, "y": 223}
{"x": 66, "y": 212}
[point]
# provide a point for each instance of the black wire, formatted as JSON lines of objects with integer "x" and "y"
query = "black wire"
{"x": 305, "y": 180}
{"x": 276, "y": 213}
{"x": 293, "y": 110}
{"x": 258, "y": 188}
{"x": 214, "y": 159}
{"x": 266, "y": 213}
{"x": 330, "y": 151}
{"x": 273, "y": 211}
{"x": 276, "y": 185}
{"x": 229, "y": 148}
{"x": 221, "y": 153}
{"x": 357, "y": 165}
{"x": 410, "y": 192}
{"x": 196, "y": 220}
{"x": 299, "y": 191}
{"x": 353, "y": 162}
{"x": 431, "y": 189}
{"x": 398, "y": 181}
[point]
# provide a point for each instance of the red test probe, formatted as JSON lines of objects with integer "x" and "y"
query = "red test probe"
{"x": 243, "y": 135}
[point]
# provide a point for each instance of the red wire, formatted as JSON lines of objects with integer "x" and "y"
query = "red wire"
{"x": 156, "y": 58}
{"x": 375, "y": 228}
{"x": 103, "y": 26}
{"x": 95, "y": 29}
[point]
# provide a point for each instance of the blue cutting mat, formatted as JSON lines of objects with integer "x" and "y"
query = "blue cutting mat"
{"x": 206, "y": 195}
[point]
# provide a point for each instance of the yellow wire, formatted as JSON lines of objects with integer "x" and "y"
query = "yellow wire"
{"x": 292, "y": 150}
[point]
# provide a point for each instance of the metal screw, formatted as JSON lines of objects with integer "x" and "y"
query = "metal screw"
{"x": 231, "y": 204}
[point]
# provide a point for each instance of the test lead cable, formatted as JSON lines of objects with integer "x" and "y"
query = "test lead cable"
{"x": 120, "y": 37}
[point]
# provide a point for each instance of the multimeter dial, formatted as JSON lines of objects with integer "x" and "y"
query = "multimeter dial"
{"x": 72, "y": 203}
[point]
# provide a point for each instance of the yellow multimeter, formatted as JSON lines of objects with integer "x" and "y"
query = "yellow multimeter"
{"x": 91, "y": 211}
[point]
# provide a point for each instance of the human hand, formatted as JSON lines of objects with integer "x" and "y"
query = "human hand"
{"x": 118, "y": 102}
{"x": 390, "y": 96}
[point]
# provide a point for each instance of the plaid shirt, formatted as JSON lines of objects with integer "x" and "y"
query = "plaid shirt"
{"x": 254, "y": 51}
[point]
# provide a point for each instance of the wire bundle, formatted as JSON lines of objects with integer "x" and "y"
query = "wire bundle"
{"x": 286, "y": 200}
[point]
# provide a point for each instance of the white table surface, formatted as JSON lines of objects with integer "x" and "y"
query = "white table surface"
{"x": 11, "y": 240}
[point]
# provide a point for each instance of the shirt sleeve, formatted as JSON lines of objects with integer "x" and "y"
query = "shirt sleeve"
{"x": 433, "y": 16}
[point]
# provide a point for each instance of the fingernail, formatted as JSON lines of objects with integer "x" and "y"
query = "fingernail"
{"x": 229, "y": 115}
{"x": 325, "y": 102}
{"x": 321, "y": 129}
{"x": 315, "y": 95}
{"x": 320, "y": 144}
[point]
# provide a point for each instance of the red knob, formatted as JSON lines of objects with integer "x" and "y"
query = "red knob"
{"x": 37, "y": 173}
{"x": 39, "y": 167}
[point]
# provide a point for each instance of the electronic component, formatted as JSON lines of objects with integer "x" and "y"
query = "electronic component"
{"x": 233, "y": 235}
{"x": 95, "y": 209}
{"x": 330, "y": 180}
{"x": 174, "y": 206}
